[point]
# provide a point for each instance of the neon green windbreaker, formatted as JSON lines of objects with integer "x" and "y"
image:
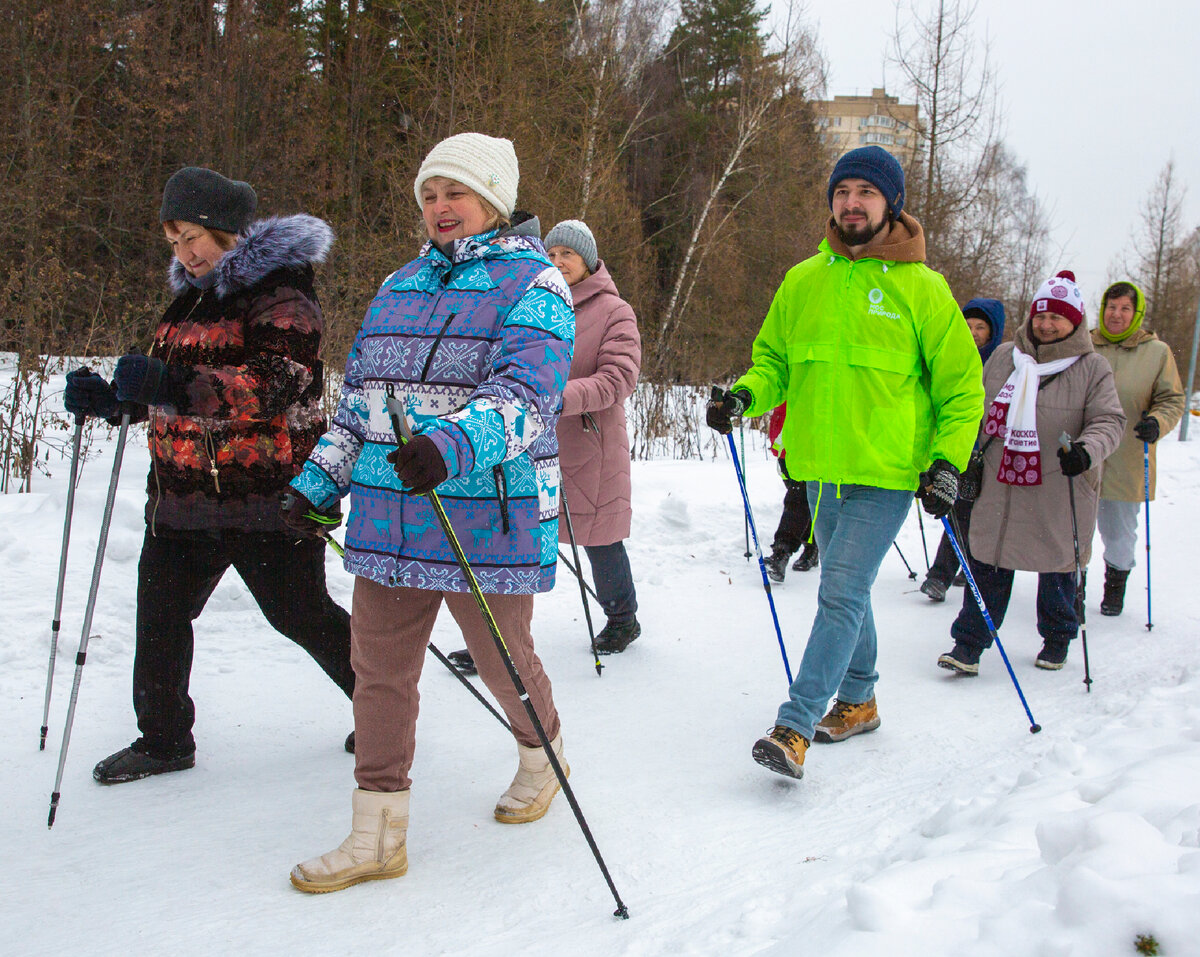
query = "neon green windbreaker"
{"x": 878, "y": 368}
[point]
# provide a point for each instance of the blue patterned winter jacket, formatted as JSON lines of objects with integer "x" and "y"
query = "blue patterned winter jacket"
{"x": 478, "y": 350}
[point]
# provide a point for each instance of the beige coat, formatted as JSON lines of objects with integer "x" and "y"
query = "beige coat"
{"x": 1030, "y": 528}
{"x": 1147, "y": 380}
{"x": 593, "y": 442}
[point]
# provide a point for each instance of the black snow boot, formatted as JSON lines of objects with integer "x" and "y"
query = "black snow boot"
{"x": 133, "y": 763}
{"x": 809, "y": 558}
{"x": 1053, "y": 655}
{"x": 934, "y": 588}
{"x": 777, "y": 563}
{"x": 1113, "y": 602}
{"x": 463, "y": 661}
{"x": 962, "y": 658}
{"x": 350, "y": 743}
{"x": 617, "y": 636}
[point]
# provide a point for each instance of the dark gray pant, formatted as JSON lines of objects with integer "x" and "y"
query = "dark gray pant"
{"x": 614, "y": 580}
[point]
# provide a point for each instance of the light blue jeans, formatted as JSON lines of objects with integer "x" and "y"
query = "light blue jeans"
{"x": 854, "y": 532}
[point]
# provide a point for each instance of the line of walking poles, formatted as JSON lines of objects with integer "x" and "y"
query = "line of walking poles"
{"x": 954, "y": 536}
{"x": 403, "y": 435}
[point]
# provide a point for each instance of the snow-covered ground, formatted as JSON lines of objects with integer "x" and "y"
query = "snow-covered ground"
{"x": 951, "y": 830}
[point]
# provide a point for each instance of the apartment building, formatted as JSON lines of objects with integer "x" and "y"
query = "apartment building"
{"x": 847, "y": 122}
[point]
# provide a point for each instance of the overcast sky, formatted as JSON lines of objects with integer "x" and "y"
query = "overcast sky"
{"x": 1096, "y": 96}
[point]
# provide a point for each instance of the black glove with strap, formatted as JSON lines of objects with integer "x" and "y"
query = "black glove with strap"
{"x": 141, "y": 379}
{"x": 1147, "y": 428}
{"x": 302, "y": 516}
{"x": 419, "y": 465}
{"x": 723, "y": 406}
{"x": 1074, "y": 460}
{"x": 937, "y": 488}
{"x": 88, "y": 394}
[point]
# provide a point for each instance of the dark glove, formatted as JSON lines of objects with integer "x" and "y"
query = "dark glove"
{"x": 938, "y": 488}
{"x": 301, "y": 515}
{"x": 723, "y": 406}
{"x": 1147, "y": 428}
{"x": 1074, "y": 460}
{"x": 419, "y": 465}
{"x": 88, "y": 394}
{"x": 141, "y": 379}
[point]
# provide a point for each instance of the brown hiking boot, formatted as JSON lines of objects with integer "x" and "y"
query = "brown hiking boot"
{"x": 782, "y": 751}
{"x": 846, "y": 720}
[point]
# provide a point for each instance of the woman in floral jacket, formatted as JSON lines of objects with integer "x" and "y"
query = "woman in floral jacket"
{"x": 474, "y": 339}
{"x": 231, "y": 387}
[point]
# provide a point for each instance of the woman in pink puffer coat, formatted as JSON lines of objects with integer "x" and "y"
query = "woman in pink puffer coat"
{"x": 592, "y": 438}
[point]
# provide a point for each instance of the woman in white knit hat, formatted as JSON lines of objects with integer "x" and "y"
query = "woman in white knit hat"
{"x": 474, "y": 337}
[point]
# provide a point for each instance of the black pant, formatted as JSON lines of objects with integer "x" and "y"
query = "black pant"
{"x": 614, "y": 580}
{"x": 176, "y": 576}
{"x": 795, "y": 524}
{"x": 1056, "y": 618}
{"x": 945, "y": 563}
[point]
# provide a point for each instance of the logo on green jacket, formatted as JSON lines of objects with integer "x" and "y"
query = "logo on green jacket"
{"x": 875, "y": 297}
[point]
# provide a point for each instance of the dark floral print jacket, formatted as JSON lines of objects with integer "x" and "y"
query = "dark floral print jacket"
{"x": 243, "y": 381}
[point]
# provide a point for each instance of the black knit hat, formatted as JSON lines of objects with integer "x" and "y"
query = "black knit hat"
{"x": 878, "y": 167}
{"x": 206, "y": 198}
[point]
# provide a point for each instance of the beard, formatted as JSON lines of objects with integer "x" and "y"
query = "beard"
{"x": 861, "y": 235}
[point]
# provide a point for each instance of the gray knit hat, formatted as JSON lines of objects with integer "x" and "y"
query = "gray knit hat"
{"x": 486, "y": 164}
{"x": 206, "y": 198}
{"x": 574, "y": 234}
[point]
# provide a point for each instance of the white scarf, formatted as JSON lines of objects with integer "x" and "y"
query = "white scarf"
{"x": 1013, "y": 415}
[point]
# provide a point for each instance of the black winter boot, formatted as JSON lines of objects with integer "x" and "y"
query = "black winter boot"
{"x": 809, "y": 558}
{"x": 133, "y": 763}
{"x": 934, "y": 588}
{"x": 617, "y": 636}
{"x": 1114, "y": 590}
{"x": 777, "y": 563}
{"x": 463, "y": 661}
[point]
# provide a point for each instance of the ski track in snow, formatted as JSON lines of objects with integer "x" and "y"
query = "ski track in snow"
{"x": 951, "y": 830}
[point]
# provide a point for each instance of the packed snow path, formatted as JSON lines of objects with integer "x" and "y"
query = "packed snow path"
{"x": 951, "y": 830}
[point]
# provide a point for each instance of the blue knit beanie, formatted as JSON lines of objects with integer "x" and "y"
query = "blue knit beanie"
{"x": 878, "y": 167}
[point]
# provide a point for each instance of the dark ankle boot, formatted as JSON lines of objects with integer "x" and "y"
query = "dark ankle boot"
{"x": 1114, "y": 590}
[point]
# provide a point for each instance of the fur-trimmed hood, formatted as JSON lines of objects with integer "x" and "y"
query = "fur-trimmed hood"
{"x": 267, "y": 244}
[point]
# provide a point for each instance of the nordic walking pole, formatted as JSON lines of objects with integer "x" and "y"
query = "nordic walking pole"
{"x": 81, "y": 655}
{"x": 326, "y": 520}
{"x": 62, "y": 574}
{"x": 574, "y": 571}
{"x": 1146, "y": 482}
{"x": 587, "y": 611}
{"x": 924, "y": 544}
{"x": 762, "y": 567}
{"x": 403, "y": 435}
{"x": 1065, "y": 441}
{"x": 912, "y": 576}
{"x": 745, "y": 521}
{"x": 952, "y": 533}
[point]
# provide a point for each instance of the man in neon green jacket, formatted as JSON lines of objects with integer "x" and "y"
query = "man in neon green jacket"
{"x": 867, "y": 346}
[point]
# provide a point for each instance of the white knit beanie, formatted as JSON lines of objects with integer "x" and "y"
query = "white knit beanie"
{"x": 574, "y": 234}
{"x": 486, "y": 164}
{"x": 1061, "y": 296}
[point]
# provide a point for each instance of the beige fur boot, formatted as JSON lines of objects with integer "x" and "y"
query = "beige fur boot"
{"x": 375, "y": 849}
{"x": 529, "y": 795}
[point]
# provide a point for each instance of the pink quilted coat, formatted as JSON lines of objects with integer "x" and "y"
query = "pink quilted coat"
{"x": 592, "y": 439}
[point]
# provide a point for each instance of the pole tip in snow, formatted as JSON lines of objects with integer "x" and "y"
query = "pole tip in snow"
{"x": 622, "y": 912}
{"x": 53, "y": 809}
{"x": 42, "y": 743}
{"x": 1035, "y": 728}
{"x": 599, "y": 667}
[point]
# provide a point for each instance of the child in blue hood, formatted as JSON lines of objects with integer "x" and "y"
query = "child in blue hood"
{"x": 986, "y": 319}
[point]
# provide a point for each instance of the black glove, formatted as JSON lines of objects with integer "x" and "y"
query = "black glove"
{"x": 723, "y": 406}
{"x": 1147, "y": 428}
{"x": 141, "y": 379}
{"x": 938, "y": 488}
{"x": 1075, "y": 460}
{"x": 301, "y": 515}
{"x": 419, "y": 465}
{"x": 88, "y": 394}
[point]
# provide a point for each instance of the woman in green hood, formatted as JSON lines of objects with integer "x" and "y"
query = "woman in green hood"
{"x": 1152, "y": 397}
